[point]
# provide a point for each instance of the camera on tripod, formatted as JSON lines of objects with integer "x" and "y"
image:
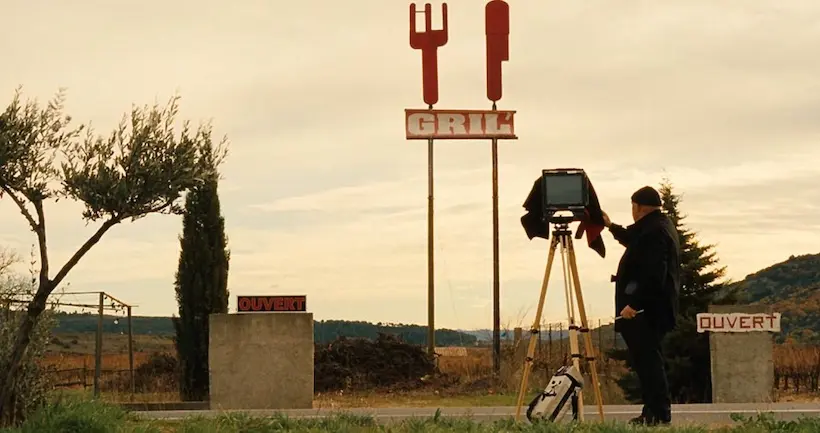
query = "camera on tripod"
{"x": 564, "y": 190}
{"x": 559, "y": 191}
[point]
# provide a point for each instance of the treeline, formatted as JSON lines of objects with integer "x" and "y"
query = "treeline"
{"x": 75, "y": 323}
{"x": 324, "y": 331}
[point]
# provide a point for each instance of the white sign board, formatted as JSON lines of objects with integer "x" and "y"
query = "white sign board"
{"x": 459, "y": 124}
{"x": 738, "y": 322}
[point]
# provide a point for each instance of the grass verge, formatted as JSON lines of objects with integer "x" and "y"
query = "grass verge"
{"x": 82, "y": 416}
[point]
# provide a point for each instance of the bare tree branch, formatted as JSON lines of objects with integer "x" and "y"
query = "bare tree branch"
{"x": 7, "y": 259}
{"x": 21, "y": 205}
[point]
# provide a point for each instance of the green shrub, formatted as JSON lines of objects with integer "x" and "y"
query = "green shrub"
{"x": 240, "y": 422}
{"x": 235, "y": 423}
{"x": 75, "y": 416}
{"x": 766, "y": 422}
{"x": 32, "y": 381}
{"x": 83, "y": 416}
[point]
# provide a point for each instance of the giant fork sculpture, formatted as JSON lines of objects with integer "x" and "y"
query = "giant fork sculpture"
{"x": 428, "y": 42}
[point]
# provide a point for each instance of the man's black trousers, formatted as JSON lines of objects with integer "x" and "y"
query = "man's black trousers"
{"x": 643, "y": 341}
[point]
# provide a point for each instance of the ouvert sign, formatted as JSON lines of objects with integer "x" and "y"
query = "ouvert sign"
{"x": 738, "y": 322}
{"x": 271, "y": 304}
{"x": 741, "y": 351}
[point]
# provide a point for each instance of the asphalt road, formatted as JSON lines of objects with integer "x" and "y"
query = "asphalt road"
{"x": 681, "y": 414}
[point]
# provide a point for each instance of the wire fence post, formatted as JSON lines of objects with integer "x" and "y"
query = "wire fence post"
{"x": 561, "y": 341}
{"x": 131, "y": 353}
{"x": 98, "y": 347}
{"x": 549, "y": 349}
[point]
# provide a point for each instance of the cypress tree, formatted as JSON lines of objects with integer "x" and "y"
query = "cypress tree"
{"x": 685, "y": 350}
{"x": 201, "y": 284}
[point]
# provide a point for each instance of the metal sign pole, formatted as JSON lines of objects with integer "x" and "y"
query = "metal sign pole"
{"x": 497, "y": 31}
{"x": 496, "y": 266}
{"x": 428, "y": 42}
{"x": 431, "y": 280}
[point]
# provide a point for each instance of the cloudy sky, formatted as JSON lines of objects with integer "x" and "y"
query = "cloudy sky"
{"x": 323, "y": 195}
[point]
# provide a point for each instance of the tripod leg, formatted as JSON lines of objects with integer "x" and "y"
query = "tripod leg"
{"x": 535, "y": 330}
{"x": 576, "y": 410}
{"x": 589, "y": 349}
{"x": 573, "y": 328}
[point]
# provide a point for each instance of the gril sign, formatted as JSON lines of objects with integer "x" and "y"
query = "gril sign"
{"x": 738, "y": 322}
{"x": 259, "y": 304}
{"x": 459, "y": 124}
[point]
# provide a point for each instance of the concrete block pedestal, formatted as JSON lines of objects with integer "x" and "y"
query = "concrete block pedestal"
{"x": 261, "y": 361}
{"x": 742, "y": 362}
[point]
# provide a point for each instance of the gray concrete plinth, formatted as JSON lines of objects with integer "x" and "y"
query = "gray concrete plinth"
{"x": 261, "y": 361}
{"x": 742, "y": 363}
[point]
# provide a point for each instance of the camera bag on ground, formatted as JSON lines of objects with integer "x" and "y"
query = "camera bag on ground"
{"x": 563, "y": 388}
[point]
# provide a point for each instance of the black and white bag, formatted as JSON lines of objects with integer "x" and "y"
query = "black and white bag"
{"x": 563, "y": 388}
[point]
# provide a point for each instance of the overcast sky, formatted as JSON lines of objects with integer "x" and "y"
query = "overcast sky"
{"x": 323, "y": 195}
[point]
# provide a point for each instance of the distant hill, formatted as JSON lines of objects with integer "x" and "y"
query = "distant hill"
{"x": 328, "y": 330}
{"x": 324, "y": 331}
{"x": 792, "y": 287}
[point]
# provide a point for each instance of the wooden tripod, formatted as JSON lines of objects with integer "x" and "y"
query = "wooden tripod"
{"x": 572, "y": 287}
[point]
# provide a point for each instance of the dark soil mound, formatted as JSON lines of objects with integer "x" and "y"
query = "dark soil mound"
{"x": 361, "y": 364}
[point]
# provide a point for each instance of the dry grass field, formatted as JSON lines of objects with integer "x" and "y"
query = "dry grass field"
{"x": 797, "y": 370}
{"x": 83, "y": 343}
{"x": 470, "y": 368}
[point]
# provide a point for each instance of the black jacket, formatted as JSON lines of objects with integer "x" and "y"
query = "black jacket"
{"x": 649, "y": 271}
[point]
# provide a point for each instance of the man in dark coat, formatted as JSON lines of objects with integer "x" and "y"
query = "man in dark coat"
{"x": 647, "y": 287}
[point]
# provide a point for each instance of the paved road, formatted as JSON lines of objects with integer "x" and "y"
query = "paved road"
{"x": 682, "y": 414}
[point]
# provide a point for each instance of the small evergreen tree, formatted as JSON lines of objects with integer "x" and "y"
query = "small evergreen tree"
{"x": 201, "y": 284}
{"x": 686, "y": 351}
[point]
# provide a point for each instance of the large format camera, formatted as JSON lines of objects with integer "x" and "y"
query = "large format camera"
{"x": 564, "y": 190}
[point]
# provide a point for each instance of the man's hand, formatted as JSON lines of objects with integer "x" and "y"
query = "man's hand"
{"x": 607, "y": 221}
{"x": 628, "y": 312}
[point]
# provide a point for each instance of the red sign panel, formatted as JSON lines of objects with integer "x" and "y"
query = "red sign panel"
{"x": 497, "y": 30}
{"x": 428, "y": 42}
{"x": 268, "y": 304}
{"x": 459, "y": 124}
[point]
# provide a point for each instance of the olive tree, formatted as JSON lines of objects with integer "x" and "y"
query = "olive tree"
{"x": 143, "y": 167}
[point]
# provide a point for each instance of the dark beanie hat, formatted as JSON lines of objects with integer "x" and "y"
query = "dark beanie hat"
{"x": 647, "y": 196}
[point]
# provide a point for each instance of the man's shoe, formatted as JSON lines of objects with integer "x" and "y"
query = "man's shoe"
{"x": 640, "y": 420}
{"x": 649, "y": 421}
